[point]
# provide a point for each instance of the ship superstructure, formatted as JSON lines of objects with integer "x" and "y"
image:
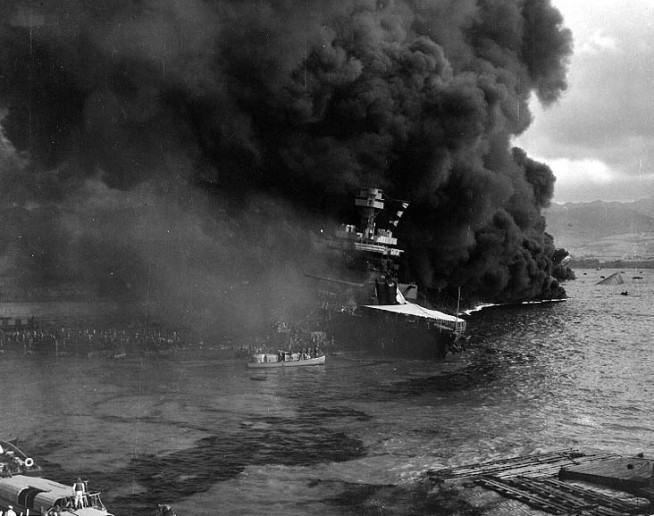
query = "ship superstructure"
{"x": 362, "y": 298}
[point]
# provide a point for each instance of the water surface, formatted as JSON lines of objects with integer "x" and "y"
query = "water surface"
{"x": 201, "y": 431}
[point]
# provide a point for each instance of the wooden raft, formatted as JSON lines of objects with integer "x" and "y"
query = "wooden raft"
{"x": 540, "y": 482}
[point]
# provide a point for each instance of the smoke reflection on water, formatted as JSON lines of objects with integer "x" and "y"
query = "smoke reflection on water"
{"x": 206, "y": 434}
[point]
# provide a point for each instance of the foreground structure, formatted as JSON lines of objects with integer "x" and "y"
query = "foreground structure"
{"x": 559, "y": 482}
{"x": 42, "y": 497}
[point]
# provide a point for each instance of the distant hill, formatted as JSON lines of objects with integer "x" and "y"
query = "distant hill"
{"x": 645, "y": 206}
{"x": 604, "y": 230}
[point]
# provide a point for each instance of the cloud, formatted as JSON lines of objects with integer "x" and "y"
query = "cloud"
{"x": 605, "y": 116}
{"x": 598, "y": 43}
{"x": 591, "y": 179}
{"x": 580, "y": 172}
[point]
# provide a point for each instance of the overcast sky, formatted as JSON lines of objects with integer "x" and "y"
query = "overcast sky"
{"x": 599, "y": 138}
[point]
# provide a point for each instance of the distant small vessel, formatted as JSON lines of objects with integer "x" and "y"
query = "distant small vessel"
{"x": 43, "y": 497}
{"x": 283, "y": 359}
{"x": 13, "y": 461}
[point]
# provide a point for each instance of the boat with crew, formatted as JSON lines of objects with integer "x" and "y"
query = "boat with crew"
{"x": 361, "y": 298}
{"x": 289, "y": 345}
{"x": 43, "y": 497}
{"x": 284, "y": 359}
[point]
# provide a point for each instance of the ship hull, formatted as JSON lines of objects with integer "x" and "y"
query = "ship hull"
{"x": 387, "y": 335}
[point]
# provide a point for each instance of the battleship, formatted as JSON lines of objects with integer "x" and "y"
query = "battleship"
{"x": 360, "y": 299}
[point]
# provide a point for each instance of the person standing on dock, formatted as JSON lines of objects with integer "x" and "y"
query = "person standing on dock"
{"x": 78, "y": 491}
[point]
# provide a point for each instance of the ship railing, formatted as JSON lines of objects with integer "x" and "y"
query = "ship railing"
{"x": 94, "y": 500}
{"x": 378, "y": 248}
{"x": 90, "y": 500}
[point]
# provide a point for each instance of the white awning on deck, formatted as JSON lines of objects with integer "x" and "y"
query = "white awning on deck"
{"x": 417, "y": 311}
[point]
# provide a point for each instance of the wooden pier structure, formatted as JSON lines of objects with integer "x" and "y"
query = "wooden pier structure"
{"x": 564, "y": 483}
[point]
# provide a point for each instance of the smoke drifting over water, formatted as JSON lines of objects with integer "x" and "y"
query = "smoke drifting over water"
{"x": 166, "y": 150}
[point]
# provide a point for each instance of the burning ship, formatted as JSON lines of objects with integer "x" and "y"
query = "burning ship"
{"x": 361, "y": 300}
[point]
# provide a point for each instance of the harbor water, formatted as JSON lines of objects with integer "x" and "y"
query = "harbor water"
{"x": 202, "y": 432}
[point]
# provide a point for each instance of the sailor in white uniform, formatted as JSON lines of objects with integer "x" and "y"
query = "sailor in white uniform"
{"x": 78, "y": 490}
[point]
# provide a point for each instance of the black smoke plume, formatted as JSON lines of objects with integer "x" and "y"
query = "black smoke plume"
{"x": 164, "y": 151}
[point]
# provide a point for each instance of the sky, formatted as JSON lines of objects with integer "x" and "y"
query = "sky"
{"x": 598, "y": 139}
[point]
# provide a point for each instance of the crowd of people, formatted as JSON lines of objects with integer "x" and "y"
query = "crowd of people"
{"x": 291, "y": 339}
{"x": 114, "y": 341}
{"x": 88, "y": 341}
{"x": 302, "y": 354}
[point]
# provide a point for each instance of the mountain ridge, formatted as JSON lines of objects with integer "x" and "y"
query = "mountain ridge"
{"x": 604, "y": 229}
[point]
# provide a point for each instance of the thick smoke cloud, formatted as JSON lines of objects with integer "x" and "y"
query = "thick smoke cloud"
{"x": 157, "y": 145}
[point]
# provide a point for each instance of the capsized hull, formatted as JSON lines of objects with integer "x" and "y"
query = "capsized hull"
{"x": 294, "y": 363}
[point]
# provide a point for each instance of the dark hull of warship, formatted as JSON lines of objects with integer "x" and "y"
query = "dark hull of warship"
{"x": 385, "y": 335}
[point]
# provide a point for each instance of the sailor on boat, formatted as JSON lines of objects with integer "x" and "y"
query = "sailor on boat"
{"x": 10, "y": 511}
{"x": 78, "y": 491}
